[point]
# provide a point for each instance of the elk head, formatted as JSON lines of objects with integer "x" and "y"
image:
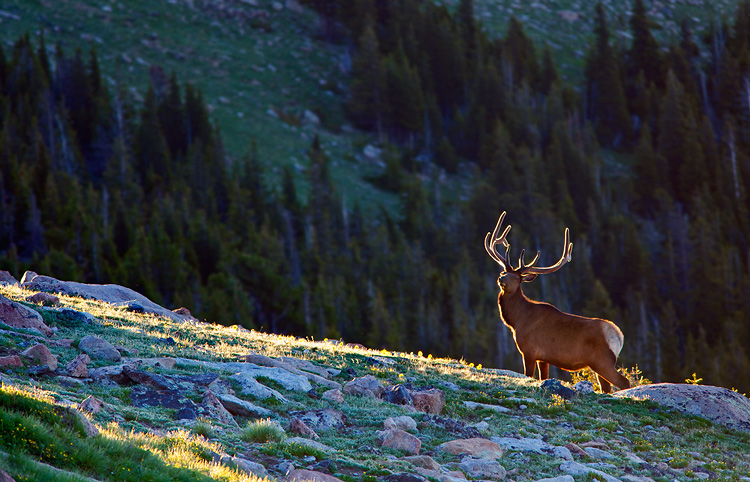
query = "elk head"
{"x": 511, "y": 278}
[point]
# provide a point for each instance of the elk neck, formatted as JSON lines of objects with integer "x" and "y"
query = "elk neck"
{"x": 512, "y": 305}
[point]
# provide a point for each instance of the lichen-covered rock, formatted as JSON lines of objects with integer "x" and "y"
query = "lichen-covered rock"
{"x": 39, "y": 355}
{"x": 303, "y": 475}
{"x": 242, "y": 408}
{"x": 404, "y": 422}
{"x": 11, "y": 361}
{"x": 400, "y": 440}
{"x": 43, "y": 299}
{"x": 301, "y": 428}
{"x": 98, "y": 348}
{"x": 78, "y": 367}
{"x": 19, "y": 316}
{"x": 478, "y": 447}
{"x": 717, "y": 404}
{"x": 429, "y": 401}
{"x": 483, "y": 469}
{"x": 7, "y": 279}
{"x": 367, "y": 386}
{"x": 216, "y": 411}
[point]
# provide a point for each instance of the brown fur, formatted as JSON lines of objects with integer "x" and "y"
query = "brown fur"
{"x": 545, "y": 335}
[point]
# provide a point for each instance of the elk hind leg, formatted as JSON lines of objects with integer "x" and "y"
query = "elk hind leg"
{"x": 543, "y": 370}
{"x": 608, "y": 375}
{"x": 529, "y": 365}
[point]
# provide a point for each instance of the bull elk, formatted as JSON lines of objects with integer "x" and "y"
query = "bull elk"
{"x": 544, "y": 334}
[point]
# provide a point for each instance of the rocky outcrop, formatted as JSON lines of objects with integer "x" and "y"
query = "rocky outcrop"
{"x": 109, "y": 293}
{"x": 717, "y": 404}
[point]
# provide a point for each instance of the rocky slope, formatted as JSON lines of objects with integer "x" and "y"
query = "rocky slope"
{"x": 266, "y": 406}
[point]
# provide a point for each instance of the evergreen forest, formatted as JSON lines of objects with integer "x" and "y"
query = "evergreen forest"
{"x": 647, "y": 162}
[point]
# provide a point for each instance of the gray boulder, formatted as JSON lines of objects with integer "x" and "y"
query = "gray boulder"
{"x": 717, "y": 404}
{"x": 98, "y": 348}
{"x": 19, "y": 316}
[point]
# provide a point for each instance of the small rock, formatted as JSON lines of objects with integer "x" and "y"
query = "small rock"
{"x": 562, "y": 478}
{"x": 477, "y": 406}
{"x": 10, "y": 361}
{"x": 584, "y": 387}
{"x": 216, "y": 410}
{"x": 40, "y": 356}
{"x": 599, "y": 454}
{"x": 302, "y": 475}
{"x": 478, "y": 447}
{"x": 429, "y": 401}
{"x": 397, "y": 394}
{"x": 424, "y": 461}
{"x": 333, "y": 395}
{"x": 43, "y": 299}
{"x": 399, "y": 440}
{"x": 250, "y": 468}
{"x": 309, "y": 443}
{"x": 99, "y": 349}
{"x": 7, "y": 279}
{"x": 299, "y": 427}
{"x": 78, "y": 368}
{"x": 19, "y": 316}
{"x": 323, "y": 419}
{"x": 574, "y": 468}
{"x": 310, "y": 117}
{"x": 367, "y": 386}
{"x": 91, "y": 405}
{"x": 482, "y": 468}
{"x": 4, "y": 476}
{"x": 405, "y": 477}
{"x": 575, "y": 449}
{"x": 556, "y": 387}
{"x": 404, "y": 422}
{"x": 242, "y": 408}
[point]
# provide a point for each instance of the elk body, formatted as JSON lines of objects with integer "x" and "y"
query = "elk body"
{"x": 545, "y": 335}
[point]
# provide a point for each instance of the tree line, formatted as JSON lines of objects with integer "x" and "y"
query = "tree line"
{"x": 647, "y": 163}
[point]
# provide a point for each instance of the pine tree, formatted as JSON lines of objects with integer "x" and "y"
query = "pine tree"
{"x": 367, "y": 101}
{"x": 605, "y": 99}
{"x": 644, "y": 55}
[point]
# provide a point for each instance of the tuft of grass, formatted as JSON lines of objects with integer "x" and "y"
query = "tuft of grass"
{"x": 262, "y": 431}
{"x": 292, "y": 450}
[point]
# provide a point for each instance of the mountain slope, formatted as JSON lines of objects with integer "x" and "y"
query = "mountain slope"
{"x": 181, "y": 433}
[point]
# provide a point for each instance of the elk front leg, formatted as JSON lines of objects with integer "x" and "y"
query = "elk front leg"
{"x": 529, "y": 365}
{"x": 543, "y": 370}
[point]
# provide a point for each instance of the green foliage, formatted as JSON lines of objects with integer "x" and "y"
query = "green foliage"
{"x": 262, "y": 431}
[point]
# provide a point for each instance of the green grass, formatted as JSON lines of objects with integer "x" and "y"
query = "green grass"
{"x": 262, "y": 431}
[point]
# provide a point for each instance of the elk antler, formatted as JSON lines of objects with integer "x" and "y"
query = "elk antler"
{"x": 566, "y": 256}
{"x": 491, "y": 241}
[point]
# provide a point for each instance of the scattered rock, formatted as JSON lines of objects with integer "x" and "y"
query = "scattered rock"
{"x": 533, "y": 445}
{"x": 405, "y": 477}
{"x": 562, "y": 478}
{"x": 397, "y": 394}
{"x": 74, "y": 418}
{"x": 10, "y": 361}
{"x": 99, "y": 349}
{"x": 78, "y": 368}
{"x": 75, "y": 317}
{"x": 476, "y": 406}
{"x": 40, "y": 356}
{"x": 323, "y": 419}
{"x": 333, "y": 395}
{"x": 575, "y": 449}
{"x": 574, "y": 468}
{"x": 478, "y": 447}
{"x": 482, "y": 468}
{"x": 584, "y": 387}
{"x": 399, "y": 440}
{"x": 250, "y": 468}
{"x": 423, "y": 461}
{"x": 717, "y": 404}
{"x": 456, "y": 427}
{"x": 251, "y": 387}
{"x": 599, "y": 453}
{"x": 367, "y": 386}
{"x": 7, "y": 279}
{"x": 19, "y": 316}
{"x": 300, "y": 428}
{"x": 556, "y": 387}
{"x": 429, "y": 401}
{"x": 216, "y": 411}
{"x": 43, "y": 299}
{"x": 242, "y": 408}
{"x": 146, "y": 397}
{"x": 404, "y": 422}
{"x": 310, "y": 117}
{"x": 4, "y": 476}
{"x": 302, "y": 475}
{"x": 309, "y": 443}
{"x": 91, "y": 405}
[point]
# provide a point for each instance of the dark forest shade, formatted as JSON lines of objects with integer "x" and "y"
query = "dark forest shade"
{"x": 142, "y": 194}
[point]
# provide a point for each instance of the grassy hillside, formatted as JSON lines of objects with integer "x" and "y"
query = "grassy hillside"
{"x": 39, "y": 441}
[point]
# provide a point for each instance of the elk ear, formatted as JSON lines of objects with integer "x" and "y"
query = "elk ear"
{"x": 528, "y": 277}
